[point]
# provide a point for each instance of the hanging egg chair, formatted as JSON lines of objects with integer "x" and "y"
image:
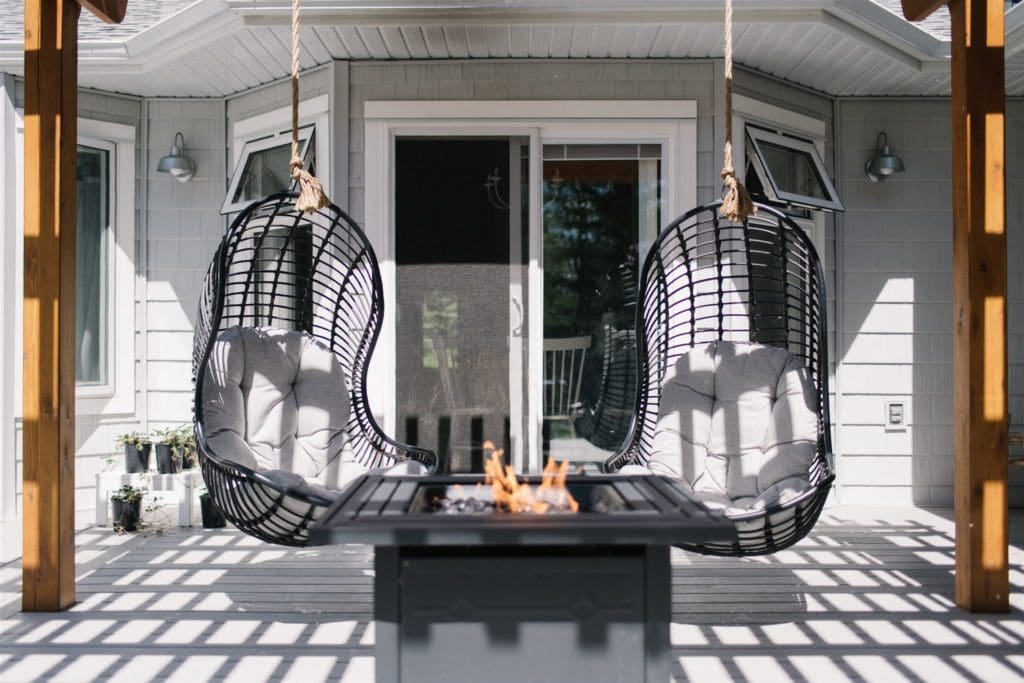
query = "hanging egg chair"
{"x": 732, "y": 360}
{"x": 290, "y": 311}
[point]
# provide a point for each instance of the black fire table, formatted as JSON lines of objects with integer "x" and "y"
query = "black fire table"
{"x": 494, "y": 596}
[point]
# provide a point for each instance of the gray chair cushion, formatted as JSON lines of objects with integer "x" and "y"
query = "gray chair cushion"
{"x": 737, "y": 422}
{"x": 277, "y": 402}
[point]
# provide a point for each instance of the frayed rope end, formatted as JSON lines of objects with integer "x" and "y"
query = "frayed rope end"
{"x": 737, "y": 205}
{"x": 311, "y": 191}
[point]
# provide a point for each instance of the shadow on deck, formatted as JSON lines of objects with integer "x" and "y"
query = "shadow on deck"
{"x": 868, "y": 596}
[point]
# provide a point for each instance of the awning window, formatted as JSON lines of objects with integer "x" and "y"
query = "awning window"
{"x": 263, "y": 168}
{"x": 788, "y": 170}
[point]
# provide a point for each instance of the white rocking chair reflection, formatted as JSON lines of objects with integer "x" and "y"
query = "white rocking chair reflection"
{"x": 564, "y": 359}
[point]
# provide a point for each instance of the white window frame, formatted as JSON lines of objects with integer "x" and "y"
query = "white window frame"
{"x": 118, "y": 395}
{"x": 250, "y": 147}
{"x": 274, "y": 128}
{"x": 671, "y": 123}
{"x": 758, "y": 135}
{"x": 760, "y": 114}
{"x": 11, "y": 279}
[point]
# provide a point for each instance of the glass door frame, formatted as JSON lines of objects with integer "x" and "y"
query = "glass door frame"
{"x": 672, "y": 124}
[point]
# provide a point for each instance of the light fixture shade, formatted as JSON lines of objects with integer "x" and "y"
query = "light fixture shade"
{"x": 885, "y": 163}
{"x": 176, "y": 163}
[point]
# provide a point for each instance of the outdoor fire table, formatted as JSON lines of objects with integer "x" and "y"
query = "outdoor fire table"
{"x": 469, "y": 593}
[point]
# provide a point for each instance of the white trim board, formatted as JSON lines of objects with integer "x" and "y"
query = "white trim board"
{"x": 770, "y": 115}
{"x": 279, "y": 118}
{"x": 532, "y": 109}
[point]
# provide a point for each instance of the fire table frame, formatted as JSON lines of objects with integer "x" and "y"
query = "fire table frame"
{"x": 521, "y": 597}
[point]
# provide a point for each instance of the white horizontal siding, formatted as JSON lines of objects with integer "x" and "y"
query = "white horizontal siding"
{"x": 896, "y": 314}
{"x": 185, "y": 228}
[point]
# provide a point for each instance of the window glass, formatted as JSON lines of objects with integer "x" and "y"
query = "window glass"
{"x": 793, "y": 170}
{"x": 788, "y": 170}
{"x": 263, "y": 168}
{"x": 265, "y": 172}
{"x": 92, "y": 266}
{"x": 600, "y": 200}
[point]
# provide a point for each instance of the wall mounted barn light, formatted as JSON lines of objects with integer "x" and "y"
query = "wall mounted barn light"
{"x": 884, "y": 163}
{"x": 181, "y": 167}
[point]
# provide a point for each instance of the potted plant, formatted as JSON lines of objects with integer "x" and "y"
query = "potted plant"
{"x": 136, "y": 451}
{"x": 126, "y": 507}
{"x": 167, "y": 454}
{"x": 213, "y": 518}
{"x": 186, "y": 443}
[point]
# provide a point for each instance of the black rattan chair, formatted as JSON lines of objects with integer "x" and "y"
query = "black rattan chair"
{"x": 315, "y": 273}
{"x": 706, "y": 279}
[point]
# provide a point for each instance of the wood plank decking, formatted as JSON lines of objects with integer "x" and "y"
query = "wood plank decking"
{"x": 869, "y": 596}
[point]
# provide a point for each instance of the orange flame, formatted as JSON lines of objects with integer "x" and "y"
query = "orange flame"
{"x": 515, "y": 496}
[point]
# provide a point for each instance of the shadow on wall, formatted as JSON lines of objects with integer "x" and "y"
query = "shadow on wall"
{"x": 896, "y": 342}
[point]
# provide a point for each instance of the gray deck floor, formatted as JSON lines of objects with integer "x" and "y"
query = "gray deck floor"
{"x": 867, "y": 597}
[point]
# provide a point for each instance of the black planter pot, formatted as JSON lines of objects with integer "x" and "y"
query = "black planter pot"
{"x": 166, "y": 462}
{"x": 126, "y": 514}
{"x": 187, "y": 458}
{"x": 213, "y": 518}
{"x": 136, "y": 459}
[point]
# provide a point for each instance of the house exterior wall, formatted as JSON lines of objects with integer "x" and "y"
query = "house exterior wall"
{"x": 801, "y": 101}
{"x": 269, "y": 98}
{"x": 531, "y": 80}
{"x": 184, "y": 229}
{"x": 887, "y": 258}
{"x": 895, "y": 318}
{"x": 94, "y": 432}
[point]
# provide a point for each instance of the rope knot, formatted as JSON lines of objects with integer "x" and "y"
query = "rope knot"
{"x": 737, "y": 205}
{"x": 311, "y": 191}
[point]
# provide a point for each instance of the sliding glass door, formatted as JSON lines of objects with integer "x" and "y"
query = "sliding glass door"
{"x": 516, "y": 266}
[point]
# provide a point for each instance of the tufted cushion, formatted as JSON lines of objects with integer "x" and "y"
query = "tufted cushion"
{"x": 737, "y": 421}
{"x": 276, "y": 401}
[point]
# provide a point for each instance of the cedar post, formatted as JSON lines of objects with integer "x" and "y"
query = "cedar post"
{"x": 51, "y": 131}
{"x": 979, "y": 305}
{"x": 48, "y": 392}
{"x": 981, "y": 422}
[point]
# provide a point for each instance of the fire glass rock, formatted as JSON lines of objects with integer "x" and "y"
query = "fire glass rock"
{"x": 460, "y": 506}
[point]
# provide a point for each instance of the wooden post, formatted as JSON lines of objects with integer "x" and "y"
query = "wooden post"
{"x": 979, "y": 305}
{"x": 51, "y": 131}
{"x": 916, "y": 10}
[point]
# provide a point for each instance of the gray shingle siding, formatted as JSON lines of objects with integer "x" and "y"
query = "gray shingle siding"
{"x": 937, "y": 24}
{"x": 141, "y": 15}
{"x": 896, "y": 319}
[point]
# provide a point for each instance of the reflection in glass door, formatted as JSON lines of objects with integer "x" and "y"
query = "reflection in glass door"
{"x": 600, "y": 202}
{"x": 458, "y": 235}
{"x": 465, "y": 259}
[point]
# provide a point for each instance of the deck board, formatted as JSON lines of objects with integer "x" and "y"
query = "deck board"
{"x": 868, "y": 596}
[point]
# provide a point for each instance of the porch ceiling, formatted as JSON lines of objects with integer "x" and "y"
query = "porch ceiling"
{"x": 220, "y": 47}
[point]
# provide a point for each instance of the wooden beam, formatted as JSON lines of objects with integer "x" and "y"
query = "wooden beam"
{"x": 979, "y": 305}
{"x": 110, "y": 11}
{"x": 916, "y": 10}
{"x": 48, "y": 392}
